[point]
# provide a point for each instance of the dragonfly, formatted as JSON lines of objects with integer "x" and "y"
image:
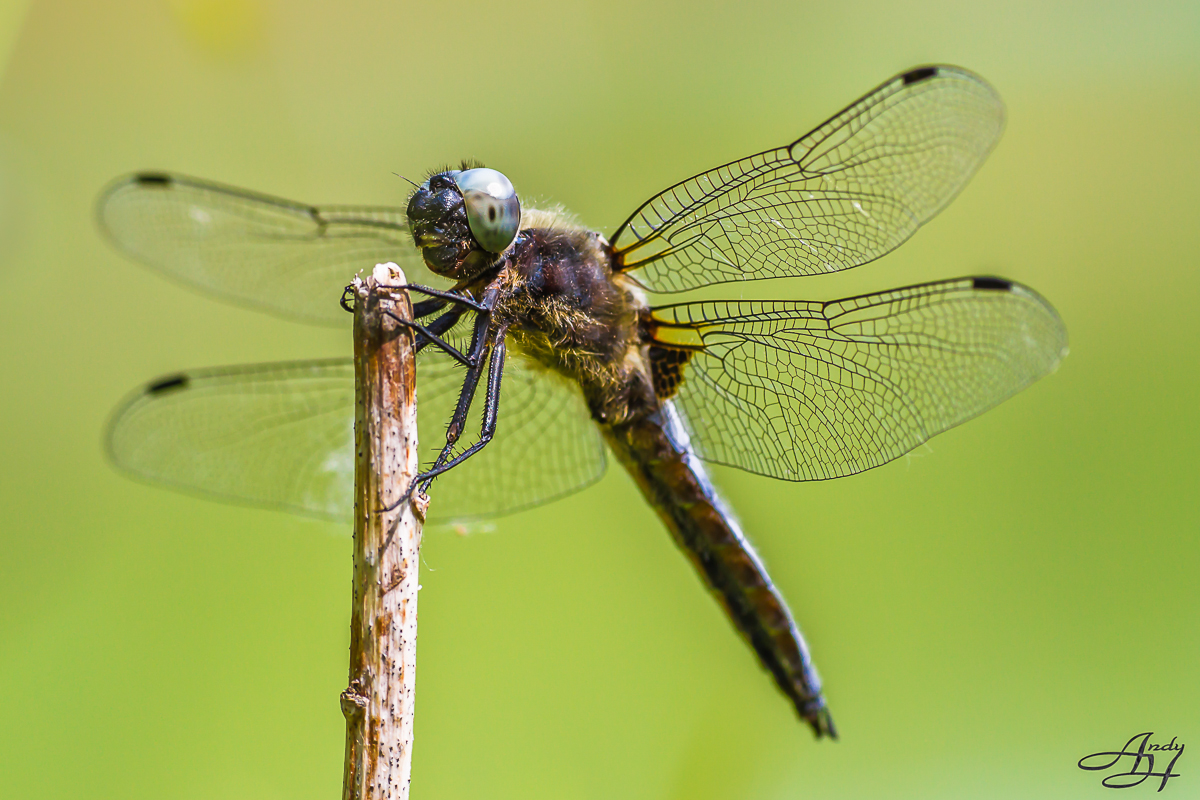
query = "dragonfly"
{"x": 544, "y": 331}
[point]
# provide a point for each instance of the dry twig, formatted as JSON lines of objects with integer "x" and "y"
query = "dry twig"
{"x": 383, "y": 627}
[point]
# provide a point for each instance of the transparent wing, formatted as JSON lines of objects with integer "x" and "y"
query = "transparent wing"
{"x": 279, "y": 435}
{"x": 282, "y": 436}
{"x": 846, "y": 193}
{"x": 808, "y": 391}
{"x": 274, "y": 255}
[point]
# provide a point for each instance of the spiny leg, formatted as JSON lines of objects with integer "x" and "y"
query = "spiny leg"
{"x": 480, "y": 343}
{"x": 486, "y": 433}
{"x": 426, "y": 308}
{"x": 450, "y": 297}
{"x": 438, "y": 300}
{"x": 491, "y": 407}
{"x": 431, "y": 334}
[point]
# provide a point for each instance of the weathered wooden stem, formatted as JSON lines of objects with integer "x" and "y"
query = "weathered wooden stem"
{"x": 383, "y": 625}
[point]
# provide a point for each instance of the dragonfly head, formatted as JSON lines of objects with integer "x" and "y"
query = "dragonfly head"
{"x": 464, "y": 220}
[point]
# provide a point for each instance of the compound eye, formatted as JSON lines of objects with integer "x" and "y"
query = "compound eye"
{"x": 493, "y": 210}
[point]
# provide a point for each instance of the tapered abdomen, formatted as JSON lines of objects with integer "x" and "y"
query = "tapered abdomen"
{"x": 656, "y": 452}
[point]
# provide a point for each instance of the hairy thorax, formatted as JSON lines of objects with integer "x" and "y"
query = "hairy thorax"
{"x": 567, "y": 311}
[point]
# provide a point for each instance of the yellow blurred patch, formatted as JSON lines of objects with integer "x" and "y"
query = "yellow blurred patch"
{"x": 223, "y": 27}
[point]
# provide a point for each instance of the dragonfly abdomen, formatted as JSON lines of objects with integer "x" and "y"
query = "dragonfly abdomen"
{"x": 656, "y": 452}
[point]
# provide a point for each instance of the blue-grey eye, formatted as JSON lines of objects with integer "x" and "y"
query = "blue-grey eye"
{"x": 493, "y": 210}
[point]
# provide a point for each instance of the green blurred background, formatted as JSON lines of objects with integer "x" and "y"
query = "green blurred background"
{"x": 1018, "y": 594}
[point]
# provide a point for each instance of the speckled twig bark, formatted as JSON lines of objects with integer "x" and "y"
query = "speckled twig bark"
{"x": 383, "y": 628}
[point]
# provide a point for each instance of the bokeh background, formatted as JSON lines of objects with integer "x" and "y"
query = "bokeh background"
{"x": 1018, "y": 594}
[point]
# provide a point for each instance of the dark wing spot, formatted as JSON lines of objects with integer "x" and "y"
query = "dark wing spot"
{"x": 919, "y": 74}
{"x": 491, "y": 213}
{"x": 666, "y": 369}
{"x": 167, "y": 384}
{"x": 152, "y": 179}
{"x": 998, "y": 284}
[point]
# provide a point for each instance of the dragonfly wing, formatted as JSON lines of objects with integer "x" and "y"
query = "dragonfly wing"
{"x": 809, "y": 390}
{"x": 282, "y": 436}
{"x": 277, "y": 435}
{"x": 271, "y": 254}
{"x": 846, "y": 193}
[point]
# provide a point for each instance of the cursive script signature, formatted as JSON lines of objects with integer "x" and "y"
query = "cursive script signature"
{"x": 1143, "y": 762}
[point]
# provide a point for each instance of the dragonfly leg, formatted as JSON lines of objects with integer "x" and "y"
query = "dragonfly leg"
{"x": 422, "y": 309}
{"x": 440, "y": 325}
{"x": 491, "y": 407}
{"x": 480, "y": 343}
{"x": 426, "y": 308}
{"x": 429, "y": 334}
{"x": 487, "y": 431}
{"x": 451, "y": 297}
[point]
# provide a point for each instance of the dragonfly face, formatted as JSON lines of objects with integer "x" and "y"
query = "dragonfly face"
{"x": 463, "y": 219}
{"x": 795, "y": 390}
